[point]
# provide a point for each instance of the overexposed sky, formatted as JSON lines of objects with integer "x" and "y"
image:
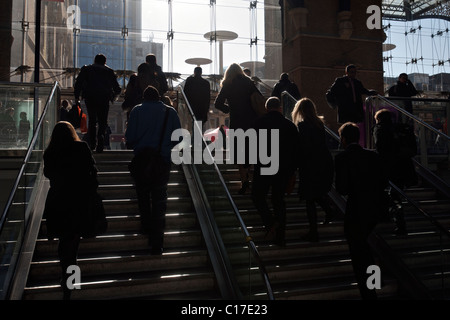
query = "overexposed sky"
{"x": 191, "y": 19}
{"x": 426, "y": 40}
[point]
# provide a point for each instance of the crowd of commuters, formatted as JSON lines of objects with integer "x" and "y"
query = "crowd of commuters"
{"x": 359, "y": 174}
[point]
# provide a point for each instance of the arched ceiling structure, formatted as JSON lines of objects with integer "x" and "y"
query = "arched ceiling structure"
{"x": 407, "y": 10}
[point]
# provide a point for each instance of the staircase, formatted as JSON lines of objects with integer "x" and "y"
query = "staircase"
{"x": 323, "y": 270}
{"x": 423, "y": 249}
{"x": 118, "y": 264}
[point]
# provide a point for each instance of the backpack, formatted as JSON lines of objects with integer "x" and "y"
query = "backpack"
{"x": 405, "y": 140}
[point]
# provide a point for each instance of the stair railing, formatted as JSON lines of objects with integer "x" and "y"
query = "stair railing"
{"x": 192, "y": 125}
{"x": 425, "y": 133}
{"x": 428, "y": 136}
{"x": 385, "y": 252}
{"x": 16, "y": 215}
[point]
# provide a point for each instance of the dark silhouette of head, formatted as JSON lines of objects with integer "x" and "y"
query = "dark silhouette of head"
{"x": 100, "y": 59}
{"x": 383, "y": 116}
{"x": 284, "y": 76}
{"x": 63, "y": 135}
{"x": 350, "y": 70}
{"x": 150, "y": 59}
{"x": 349, "y": 133}
{"x": 198, "y": 71}
{"x": 151, "y": 94}
{"x": 272, "y": 104}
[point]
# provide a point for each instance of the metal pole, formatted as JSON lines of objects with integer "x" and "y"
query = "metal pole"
{"x": 37, "y": 42}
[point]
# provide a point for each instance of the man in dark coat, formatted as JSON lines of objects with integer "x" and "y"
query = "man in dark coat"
{"x": 285, "y": 84}
{"x": 288, "y": 142}
{"x": 345, "y": 94}
{"x": 98, "y": 85}
{"x": 161, "y": 78}
{"x": 360, "y": 176}
{"x": 198, "y": 93}
{"x": 404, "y": 88}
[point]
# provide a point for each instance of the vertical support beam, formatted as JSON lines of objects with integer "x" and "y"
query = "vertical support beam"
{"x": 6, "y": 39}
{"x": 170, "y": 38}
{"x": 37, "y": 42}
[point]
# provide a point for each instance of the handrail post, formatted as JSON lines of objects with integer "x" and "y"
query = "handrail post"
{"x": 423, "y": 147}
{"x": 368, "y": 124}
{"x": 448, "y": 141}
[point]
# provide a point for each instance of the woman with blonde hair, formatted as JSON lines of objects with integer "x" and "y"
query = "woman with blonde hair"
{"x": 316, "y": 168}
{"x": 70, "y": 167}
{"x": 235, "y": 98}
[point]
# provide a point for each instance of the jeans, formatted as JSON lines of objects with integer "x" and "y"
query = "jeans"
{"x": 152, "y": 202}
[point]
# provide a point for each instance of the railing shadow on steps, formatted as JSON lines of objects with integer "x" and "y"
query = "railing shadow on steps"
{"x": 19, "y": 214}
{"x": 225, "y": 269}
{"x": 407, "y": 279}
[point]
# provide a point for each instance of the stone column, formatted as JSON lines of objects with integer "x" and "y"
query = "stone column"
{"x": 6, "y": 39}
{"x": 321, "y": 38}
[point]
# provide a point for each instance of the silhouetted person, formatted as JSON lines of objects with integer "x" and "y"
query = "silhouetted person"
{"x": 345, "y": 94}
{"x": 288, "y": 142}
{"x": 198, "y": 94}
{"x": 405, "y": 89}
{"x": 285, "y": 84}
{"x": 24, "y": 128}
{"x": 235, "y": 98}
{"x": 359, "y": 176}
{"x": 162, "y": 85}
{"x": 133, "y": 95}
{"x": 64, "y": 111}
{"x": 143, "y": 134}
{"x": 70, "y": 167}
{"x": 316, "y": 168}
{"x": 98, "y": 86}
{"x": 108, "y": 137}
{"x": 8, "y": 125}
{"x": 399, "y": 166}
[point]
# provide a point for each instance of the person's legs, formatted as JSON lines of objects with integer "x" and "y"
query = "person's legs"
{"x": 311, "y": 213}
{"x": 92, "y": 123}
{"x": 157, "y": 219}
{"x": 259, "y": 194}
{"x": 279, "y": 207}
{"x": 102, "y": 116}
{"x": 361, "y": 255}
{"x": 67, "y": 253}
{"x": 145, "y": 208}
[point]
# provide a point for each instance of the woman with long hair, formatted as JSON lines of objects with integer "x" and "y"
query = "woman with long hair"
{"x": 316, "y": 163}
{"x": 70, "y": 167}
{"x": 235, "y": 98}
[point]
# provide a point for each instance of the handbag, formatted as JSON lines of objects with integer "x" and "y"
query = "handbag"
{"x": 93, "y": 221}
{"x": 258, "y": 103}
{"x": 149, "y": 163}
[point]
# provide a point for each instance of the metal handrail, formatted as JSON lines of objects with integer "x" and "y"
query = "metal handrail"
{"x": 248, "y": 237}
{"x": 340, "y": 202}
{"x": 411, "y": 116}
{"x": 27, "y": 156}
{"x": 436, "y": 223}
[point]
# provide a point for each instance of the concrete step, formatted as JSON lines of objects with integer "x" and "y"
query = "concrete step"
{"x": 118, "y": 264}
